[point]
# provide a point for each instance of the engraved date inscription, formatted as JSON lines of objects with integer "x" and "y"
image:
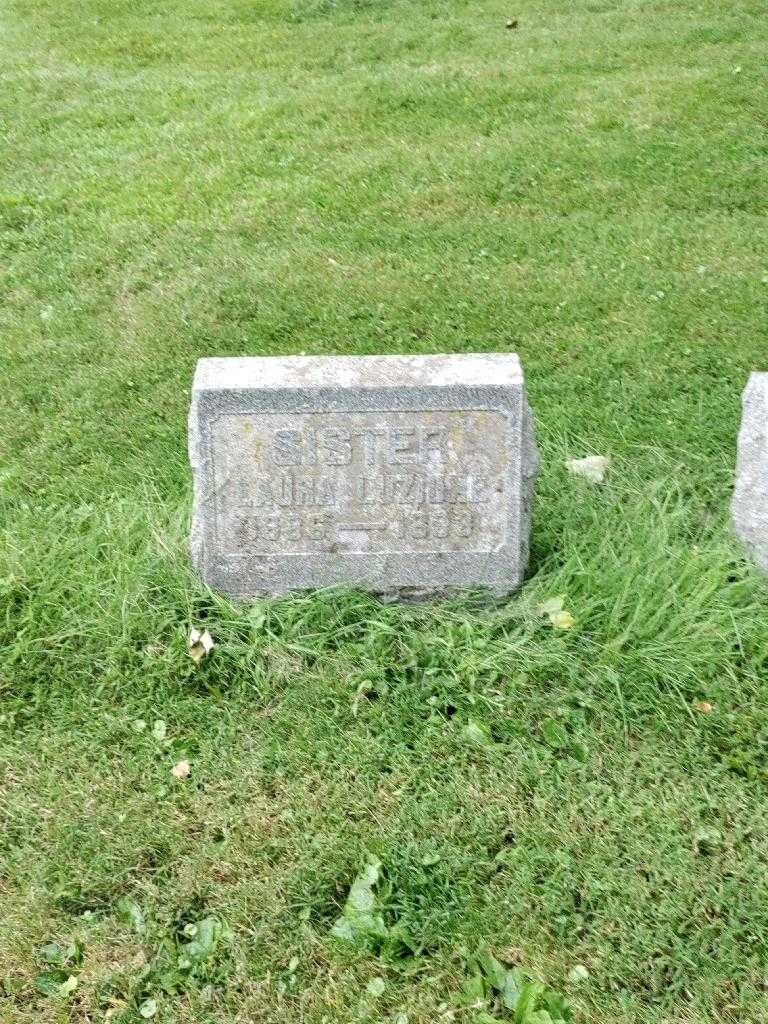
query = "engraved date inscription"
{"x": 361, "y": 482}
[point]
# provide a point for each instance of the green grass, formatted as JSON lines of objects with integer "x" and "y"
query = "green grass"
{"x": 204, "y": 177}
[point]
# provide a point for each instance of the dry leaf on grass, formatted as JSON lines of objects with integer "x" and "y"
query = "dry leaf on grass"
{"x": 703, "y": 706}
{"x": 181, "y": 770}
{"x": 562, "y": 620}
{"x": 199, "y": 644}
{"x": 557, "y": 614}
{"x": 593, "y": 468}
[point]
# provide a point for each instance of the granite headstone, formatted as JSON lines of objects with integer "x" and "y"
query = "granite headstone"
{"x": 408, "y": 476}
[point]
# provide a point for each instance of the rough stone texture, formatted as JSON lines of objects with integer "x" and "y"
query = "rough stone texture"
{"x": 410, "y": 476}
{"x": 750, "y": 497}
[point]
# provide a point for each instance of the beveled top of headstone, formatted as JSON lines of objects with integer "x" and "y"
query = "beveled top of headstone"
{"x": 405, "y": 475}
{"x": 357, "y": 371}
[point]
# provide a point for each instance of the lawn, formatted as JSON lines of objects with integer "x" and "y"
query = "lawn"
{"x": 589, "y": 805}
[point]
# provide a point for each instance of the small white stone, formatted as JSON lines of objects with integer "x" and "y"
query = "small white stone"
{"x": 578, "y": 973}
{"x": 592, "y": 468}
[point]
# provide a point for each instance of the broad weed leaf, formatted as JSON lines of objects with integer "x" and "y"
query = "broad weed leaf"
{"x": 477, "y": 734}
{"x": 510, "y": 995}
{"x": 363, "y": 925}
{"x": 554, "y": 733}
{"x": 359, "y": 923}
{"x": 526, "y": 1004}
{"x": 52, "y": 953}
{"x": 579, "y": 751}
{"x": 557, "y": 1006}
{"x": 48, "y": 983}
{"x": 74, "y": 953}
{"x": 66, "y": 988}
{"x": 361, "y": 897}
{"x": 513, "y": 987}
{"x": 56, "y": 955}
{"x": 473, "y": 990}
{"x": 495, "y": 973}
{"x": 131, "y": 913}
{"x": 343, "y": 929}
{"x": 208, "y": 934}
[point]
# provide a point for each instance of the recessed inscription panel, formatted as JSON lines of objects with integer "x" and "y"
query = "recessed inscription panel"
{"x": 383, "y": 482}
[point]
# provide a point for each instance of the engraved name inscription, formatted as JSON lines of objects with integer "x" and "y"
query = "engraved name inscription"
{"x": 361, "y": 482}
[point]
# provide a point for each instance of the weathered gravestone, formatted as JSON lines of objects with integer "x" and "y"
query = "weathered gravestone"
{"x": 409, "y": 476}
{"x": 750, "y": 496}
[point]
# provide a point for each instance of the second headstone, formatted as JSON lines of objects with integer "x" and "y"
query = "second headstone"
{"x": 750, "y": 496}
